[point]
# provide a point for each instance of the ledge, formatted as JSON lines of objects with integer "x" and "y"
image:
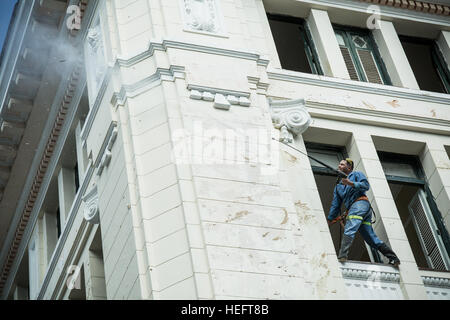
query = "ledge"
{"x": 370, "y": 272}
{"x": 358, "y": 86}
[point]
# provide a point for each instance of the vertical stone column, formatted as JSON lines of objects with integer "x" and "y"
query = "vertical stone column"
{"x": 82, "y": 159}
{"x": 394, "y": 56}
{"x": 327, "y": 46}
{"x": 436, "y": 164}
{"x": 322, "y": 272}
{"x": 95, "y": 277}
{"x": 66, "y": 192}
{"x": 389, "y": 226}
{"x": 20, "y": 293}
{"x": 50, "y": 236}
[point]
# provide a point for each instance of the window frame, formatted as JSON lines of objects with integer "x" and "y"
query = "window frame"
{"x": 306, "y": 37}
{"x": 346, "y": 32}
{"x": 437, "y": 59}
{"x": 420, "y": 181}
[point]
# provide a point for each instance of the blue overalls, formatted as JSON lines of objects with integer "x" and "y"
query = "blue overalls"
{"x": 359, "y": 214}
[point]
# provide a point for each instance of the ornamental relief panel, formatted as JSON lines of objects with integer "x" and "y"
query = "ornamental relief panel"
{"x": 201, "y": 15}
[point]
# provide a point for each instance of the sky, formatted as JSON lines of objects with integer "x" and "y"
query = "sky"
{"x": 6, "y": 9}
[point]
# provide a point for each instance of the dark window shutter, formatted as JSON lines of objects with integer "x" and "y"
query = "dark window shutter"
{"x": 427, "y": 232}
{"x": 370, "y": 66}
{"x": 349, "y": 63}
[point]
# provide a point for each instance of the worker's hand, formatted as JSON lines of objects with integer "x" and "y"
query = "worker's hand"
{"x": 347, "y": 182}
{"x": 329, "y": 222}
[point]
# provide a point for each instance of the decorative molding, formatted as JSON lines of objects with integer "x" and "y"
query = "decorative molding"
{"x": 163, "y": 45}
{"x": 131, "y": 90}
{"x": 436, "y": 282}
{"x": 366, "y": 274}
{"x": 421, "y": 6}
{"x": 290, "y": 116}
{"x": 382, "y": 118}
{"x": 91, "y": 212}
{"x": 370, "y": 88}
{"x": 202, "y": 15}
{"x": 223, "y": 99}
{"x": 385, "y": 11}
{"x": 105, "y": 155}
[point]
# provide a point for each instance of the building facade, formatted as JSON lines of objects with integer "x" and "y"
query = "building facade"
{"x": 145, "y": 148}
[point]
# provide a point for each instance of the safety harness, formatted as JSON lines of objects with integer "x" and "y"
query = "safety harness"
{"x": 345, "y": 216}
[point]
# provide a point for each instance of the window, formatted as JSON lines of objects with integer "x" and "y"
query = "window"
{"x": 294, "y": 45}
{"x": 361, "y": 55}
{"x": 326, "y": 181}
{"x": 427, "y": 63}
{"x": 420, "y": 216}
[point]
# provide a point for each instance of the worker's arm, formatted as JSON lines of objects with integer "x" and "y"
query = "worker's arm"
{"x": 358, "y": 181}
{"x": 335, "y": 209}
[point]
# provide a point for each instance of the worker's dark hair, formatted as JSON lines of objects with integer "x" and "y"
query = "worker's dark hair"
{"x": 350, "y": 162}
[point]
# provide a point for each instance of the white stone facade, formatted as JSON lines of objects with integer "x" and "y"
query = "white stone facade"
{"x": 183, "y": 187}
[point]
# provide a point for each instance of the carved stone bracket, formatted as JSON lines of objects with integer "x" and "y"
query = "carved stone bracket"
{"x": 91, "y": 213}
{"x": 290, "y": 116}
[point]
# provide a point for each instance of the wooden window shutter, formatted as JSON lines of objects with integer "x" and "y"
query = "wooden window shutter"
{"x": 369, "y": 65}
{"x": 349, "y": 63}
{"x": 427, "y": 232}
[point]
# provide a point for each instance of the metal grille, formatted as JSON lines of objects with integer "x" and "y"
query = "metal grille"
{"x": 370, "y": 67}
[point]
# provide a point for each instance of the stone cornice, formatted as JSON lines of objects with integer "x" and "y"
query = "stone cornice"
{"x": 165, "y": 44}
{"x": 380, "y": 118}
{"x": 136, "y": 88}
{"x": 385, "y": 11}
{"x": 364, "y": 87}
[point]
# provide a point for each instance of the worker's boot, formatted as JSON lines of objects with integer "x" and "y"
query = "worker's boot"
{"x": 345, "y": 248}
{"x": 388, "y": 253}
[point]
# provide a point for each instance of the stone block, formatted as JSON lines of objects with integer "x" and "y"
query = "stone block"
{"x": 164, "y": 224}
{"x": 171, "y": 272}
{"x": 167, "y": 248}
{"x": 161, "y": 202}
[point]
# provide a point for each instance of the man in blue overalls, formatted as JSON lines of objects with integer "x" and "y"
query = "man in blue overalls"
{"x": 352, "y": 191}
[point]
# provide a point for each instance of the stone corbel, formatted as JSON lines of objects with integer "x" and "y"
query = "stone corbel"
{"x": 91, "y": 212}
{"x": 290, "y": 117}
